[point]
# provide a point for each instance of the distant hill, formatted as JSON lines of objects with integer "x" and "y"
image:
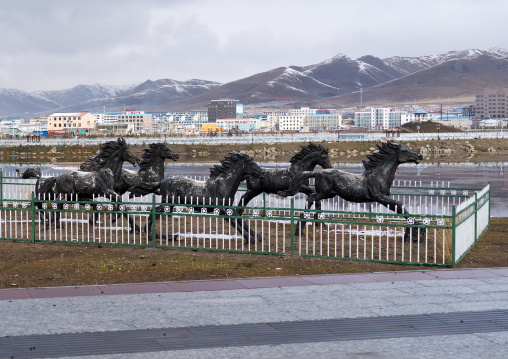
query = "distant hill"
{"x": 456, "y": 76}
{"x": 454, "y": 79}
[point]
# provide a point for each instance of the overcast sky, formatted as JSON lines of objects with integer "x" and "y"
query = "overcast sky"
{"x": 57, "y": 44}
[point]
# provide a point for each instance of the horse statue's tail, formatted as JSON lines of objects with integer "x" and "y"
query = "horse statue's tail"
{"x": 296, "y": 183}
{"x": 143, "y": 189}
{"x": 44, "y": 186}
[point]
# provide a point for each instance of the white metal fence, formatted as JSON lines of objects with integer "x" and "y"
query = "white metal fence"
{"x": 443, "y": 225}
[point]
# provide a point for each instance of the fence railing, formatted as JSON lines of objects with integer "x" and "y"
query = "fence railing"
{"x": 443, "y": 225}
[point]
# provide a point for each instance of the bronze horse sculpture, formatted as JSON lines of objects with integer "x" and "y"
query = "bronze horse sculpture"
{"x": 220, "y": 187}
{"x": 84, "y": 186}
{"x": 151, "y": 168}
{"x": 277, "y": 180}
{"x": 371, "y": 186}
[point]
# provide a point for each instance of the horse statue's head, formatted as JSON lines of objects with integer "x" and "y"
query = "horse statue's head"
{"x": 312, "y": 152}
{"x": 127, "y": 154}
{"x": 167, "y": 153}
{"x": 155, "y": 153}
{"x": 30, "y": 172}
{"x": 107, "y": 150}
{"x": 393, "y": 152}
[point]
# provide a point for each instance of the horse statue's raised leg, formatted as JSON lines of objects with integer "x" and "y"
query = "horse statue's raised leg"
{"x": 241, "y": 226}
{"x": 246, "y": 198}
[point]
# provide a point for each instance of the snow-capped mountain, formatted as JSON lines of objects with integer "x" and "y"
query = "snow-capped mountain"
{"x": 409, "y": 65}
{"x": 334, "y": 77}
{"x": 82, "y": 93}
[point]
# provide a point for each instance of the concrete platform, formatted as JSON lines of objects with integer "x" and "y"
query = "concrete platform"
{"x": 410, "y": 314}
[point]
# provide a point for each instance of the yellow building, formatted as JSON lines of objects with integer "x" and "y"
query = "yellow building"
{"x": 208, "y": 127}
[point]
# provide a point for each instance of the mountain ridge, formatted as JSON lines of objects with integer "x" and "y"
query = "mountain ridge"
{"x": 337, "y": 78}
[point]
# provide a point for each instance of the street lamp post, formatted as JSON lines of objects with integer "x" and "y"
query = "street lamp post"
{"x": 438, "y": 127}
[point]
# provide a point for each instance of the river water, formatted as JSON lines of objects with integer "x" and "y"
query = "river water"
{"x": 453, "y": 175}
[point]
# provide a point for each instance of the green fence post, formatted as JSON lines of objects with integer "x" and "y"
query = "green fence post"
{"x": 454, "y": 235}
{"x": 264, "y": 204}
{"x": 488, "y": 225}
{"x": 1, "y": 186}
{"x": 154, "y": 227}
{"x": 33, "y": 217}
{"x": 475, "y": 216}
{"x": 292, "y": 226}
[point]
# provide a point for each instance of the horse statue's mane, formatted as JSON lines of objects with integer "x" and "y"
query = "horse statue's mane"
{"x": 148, "y": 154}
{"x": 227, "y": 162}
{"x": 374, "y": 159}
{"x": 306, "y": 150}
{"x": 93, "y": 163}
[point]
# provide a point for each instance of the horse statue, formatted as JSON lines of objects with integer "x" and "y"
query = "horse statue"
{"x": 151, "y": 168}
{"x": 87, "y": 185}
{"x": 30, "y": 172}
{"x": 222, "y": 184}
{"x": 371, "y": 186}
{"x": 277, "y": 180}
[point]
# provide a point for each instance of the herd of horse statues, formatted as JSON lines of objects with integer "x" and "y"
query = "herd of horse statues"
{"x": 103, "y": 175}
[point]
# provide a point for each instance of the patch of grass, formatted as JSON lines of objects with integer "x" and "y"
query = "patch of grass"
{"x": 23, "y": 264}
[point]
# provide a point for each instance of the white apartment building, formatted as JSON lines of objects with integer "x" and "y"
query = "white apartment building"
{"x": 385, "y": 118}
{"x": 106, "y": 117}
{"x": 289, "y": 122}
{"x": 71, "y": 121}
{"x": 243, "y": 124}
{"x": 323, "y": 122}
{"x": 137, "y": 120}
{"x": 303, "y": 111}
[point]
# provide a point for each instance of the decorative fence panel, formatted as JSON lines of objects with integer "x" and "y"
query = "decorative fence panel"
{"x": 443, "y": 225}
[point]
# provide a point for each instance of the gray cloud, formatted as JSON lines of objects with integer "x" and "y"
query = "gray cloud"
{"x": 57, "y": 44}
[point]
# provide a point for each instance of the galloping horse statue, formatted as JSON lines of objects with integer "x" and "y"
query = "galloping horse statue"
{"x": 86, "y": 185}
{"x": 278, "y": 180}
{"x": 221, "y": 186}
{"x": 151, "y": 168}
{"x": 372, "y": 186}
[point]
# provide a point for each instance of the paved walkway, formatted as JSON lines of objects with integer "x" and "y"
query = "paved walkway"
{"x": 449, "y": 313}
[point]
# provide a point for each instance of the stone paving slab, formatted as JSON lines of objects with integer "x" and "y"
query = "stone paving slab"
{"x": 231, "y": 284}
{"x": 106, "y": 309}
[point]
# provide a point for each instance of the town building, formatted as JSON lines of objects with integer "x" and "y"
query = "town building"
{"x": 289, "y": 122}
{"x": 225, "y": 108}
{"x": 303, "y": 111}
{"x": 77, "y": 122}
{"x": 138, "y": 121}
{"x": 241, "y": 124}
{"x": 385, "y": 118}
{"x": 323, "y": 121}
{"x": 491, "y": 103}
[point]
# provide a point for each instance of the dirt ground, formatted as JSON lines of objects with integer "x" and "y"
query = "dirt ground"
{"x": 24, "y": 264}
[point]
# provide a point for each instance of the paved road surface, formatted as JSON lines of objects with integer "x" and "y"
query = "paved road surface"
{"x": 459, "y": 313}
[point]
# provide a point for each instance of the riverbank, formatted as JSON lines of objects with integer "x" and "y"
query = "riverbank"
{"x": 476, "y": 150}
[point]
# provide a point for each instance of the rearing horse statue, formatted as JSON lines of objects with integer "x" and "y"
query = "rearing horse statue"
{"x": 278, "y": 180}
